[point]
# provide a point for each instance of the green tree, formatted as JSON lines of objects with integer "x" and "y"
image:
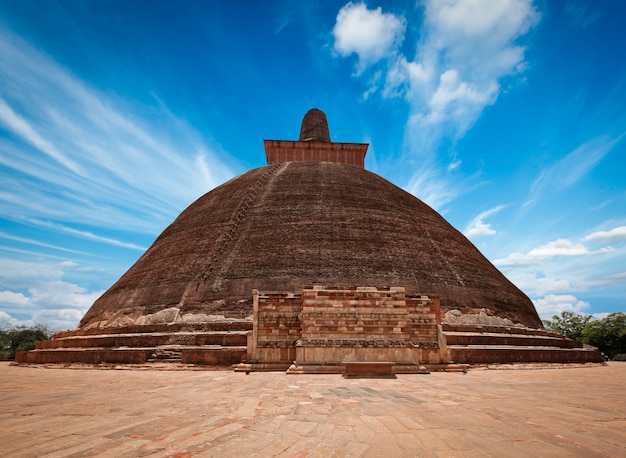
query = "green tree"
{"x": 20, "y": 338}
{"x": 569, "y": 324}
{"x": 608, "y": 334}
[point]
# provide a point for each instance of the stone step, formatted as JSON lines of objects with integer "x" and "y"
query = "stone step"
{"x": 170, "y": 355}
{"x": 86, "y": 355}
{"x": 221, "y": 325}
{"x": 447, "y": 327}
{"x": 197, "y": 338}
{"x": 492, "y": 338}
{"x": 490, "y": 354}
{"x": 215, "y": 355}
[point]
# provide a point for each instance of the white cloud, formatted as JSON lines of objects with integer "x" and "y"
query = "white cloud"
{"x": 536, "y": 283}
{"x": 554, "y": 304}
{"x": 556, "y": 248}
{"x": 559, "y": 247}
{"x": 75, "y": 158}
{"x": 59, "y": 319}
{"x": 458, "y": 101}
{"x": 43, "y": 294}
{"x": 497, "y": 22}
{"x": 466, "y": 48}
{"x": 478, "y": 228}
{"x": 53, "y": 295}
{"x": 8, "y": 320}
{"x": 617, "y": 234}
{"x": 11, "y": 298}
{"x": 371, "y": 34}
{"x": 469, "y": 44}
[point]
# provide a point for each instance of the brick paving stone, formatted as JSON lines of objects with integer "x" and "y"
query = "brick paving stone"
{"x": 431, "y": 441}
{"x": 544, "y": 412}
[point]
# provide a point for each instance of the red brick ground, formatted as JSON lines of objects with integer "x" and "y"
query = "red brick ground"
{"x": 544, "y": 412}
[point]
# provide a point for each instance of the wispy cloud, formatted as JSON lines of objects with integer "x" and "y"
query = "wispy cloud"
{"x": 580, "y": 15}
{"x": 570, "y": 169}
{"x": 617, "y": 234}
{"x": 86, "y": 235}
{"x": 610, "y": 280}
{"x": 41, "y": 244}
{"x": 433, "y": 186}
{"x": 23, "y": 129}
{"x": 85, "y": 156}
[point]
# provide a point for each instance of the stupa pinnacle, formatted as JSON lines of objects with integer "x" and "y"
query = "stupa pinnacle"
{"x": 314, "y": 127}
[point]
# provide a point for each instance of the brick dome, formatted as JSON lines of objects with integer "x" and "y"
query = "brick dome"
{"x": 291, "y": 224}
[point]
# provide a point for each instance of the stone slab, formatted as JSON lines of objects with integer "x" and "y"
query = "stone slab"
{"x": 379, "y": 369}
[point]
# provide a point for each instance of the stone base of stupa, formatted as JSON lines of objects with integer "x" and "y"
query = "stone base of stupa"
{"x": 320, "y": 330}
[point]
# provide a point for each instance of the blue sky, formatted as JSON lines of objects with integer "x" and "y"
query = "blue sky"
{"x": 507, "y": 116}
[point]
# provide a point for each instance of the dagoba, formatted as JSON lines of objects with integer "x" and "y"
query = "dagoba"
{"x": 313, "y": 225}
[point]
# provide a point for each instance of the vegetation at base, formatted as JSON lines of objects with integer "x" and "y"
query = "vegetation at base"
{"x": 607, "y": 334}
{"x": 569, "y": 324}
{"x": 20, "y": 338}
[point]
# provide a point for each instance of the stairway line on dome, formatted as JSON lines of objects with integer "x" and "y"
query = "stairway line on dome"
{"x": 228, "y": 260}
{"x": 445, "y": 261}
{"x": 236, "y": 220}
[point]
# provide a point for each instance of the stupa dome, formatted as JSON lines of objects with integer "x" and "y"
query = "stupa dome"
{"x": 293, "y": 224}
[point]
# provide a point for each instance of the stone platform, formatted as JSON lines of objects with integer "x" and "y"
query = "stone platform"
{"x": 225, "y": 343}
{"x": 219, "y": 343}
{"x": 317, "y": 330}
{"x": 479, "y": 345}
{"x": 577, "y": 411}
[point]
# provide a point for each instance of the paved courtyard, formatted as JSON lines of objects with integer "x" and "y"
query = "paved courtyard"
{"x": 541, "y": 412}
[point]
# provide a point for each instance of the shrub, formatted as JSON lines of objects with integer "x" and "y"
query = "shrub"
{"x": 608, "y": 334}
{"x": 20, "y": 338}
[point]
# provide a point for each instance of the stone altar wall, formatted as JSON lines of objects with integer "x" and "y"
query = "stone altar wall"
{"x": 334, "y": 325}
{"x": 367, "y": 324}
